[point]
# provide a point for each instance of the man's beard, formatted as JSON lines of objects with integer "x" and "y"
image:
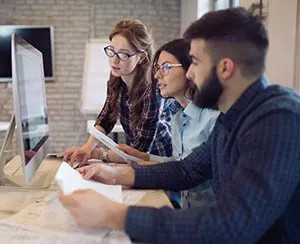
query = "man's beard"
{"x": 208, "y": 94}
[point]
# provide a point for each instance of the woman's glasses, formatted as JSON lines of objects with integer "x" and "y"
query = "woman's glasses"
{"x": 164, "y": 68}
{"x": 121, "y": 55}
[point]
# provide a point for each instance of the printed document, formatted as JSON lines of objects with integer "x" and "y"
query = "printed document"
{"x": 70, "y": 180}
{"x": 112, "y": 145}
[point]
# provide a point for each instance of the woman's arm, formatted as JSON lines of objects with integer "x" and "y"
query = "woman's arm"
{"x": 105, "y": 119}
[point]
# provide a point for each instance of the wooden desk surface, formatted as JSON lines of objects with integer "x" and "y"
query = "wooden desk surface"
{"x": 14, "y": 200}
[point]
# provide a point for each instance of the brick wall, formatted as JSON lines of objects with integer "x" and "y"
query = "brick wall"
{"x": 74, "y": 22}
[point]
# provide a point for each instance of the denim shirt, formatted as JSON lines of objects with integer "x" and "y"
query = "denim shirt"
{"x": 191, "y": 127}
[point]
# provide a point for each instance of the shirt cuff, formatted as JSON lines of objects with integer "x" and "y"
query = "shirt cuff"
{"x": 143, "y": 176}
{"x": 140, "y": 223}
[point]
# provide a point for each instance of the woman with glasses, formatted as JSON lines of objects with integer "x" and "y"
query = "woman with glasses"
{"x": 131, "y": 95}
{"x": 190, "y": 125}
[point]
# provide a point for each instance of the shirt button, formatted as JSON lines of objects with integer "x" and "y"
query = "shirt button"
{"x": 184, "y": 115}
{"x": 184, "y": 124}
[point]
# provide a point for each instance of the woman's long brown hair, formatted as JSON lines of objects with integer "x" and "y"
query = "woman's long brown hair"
{"x": 139, "y": 37}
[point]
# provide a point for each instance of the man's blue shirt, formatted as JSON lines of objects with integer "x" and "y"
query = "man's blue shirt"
{"x": 253, "y": 159}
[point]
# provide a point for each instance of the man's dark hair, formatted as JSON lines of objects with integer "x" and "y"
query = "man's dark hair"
{"x": 233, "y": 33}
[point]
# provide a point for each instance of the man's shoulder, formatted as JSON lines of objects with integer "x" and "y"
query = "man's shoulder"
{"x": 276, "y": 97}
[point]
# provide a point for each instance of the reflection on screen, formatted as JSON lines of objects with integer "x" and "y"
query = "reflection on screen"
{"x": 32, "y": 102}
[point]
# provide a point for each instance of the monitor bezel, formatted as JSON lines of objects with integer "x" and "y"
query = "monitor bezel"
{"x": 32, "y": 165}
{"x": 51, "y": 28}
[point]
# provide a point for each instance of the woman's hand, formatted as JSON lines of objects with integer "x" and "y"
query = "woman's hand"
{"x": 78, "y": 155}
{"x": 134, "y": 152}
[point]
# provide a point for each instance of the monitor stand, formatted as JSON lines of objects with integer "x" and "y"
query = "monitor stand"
{"x": 15, "y": 178}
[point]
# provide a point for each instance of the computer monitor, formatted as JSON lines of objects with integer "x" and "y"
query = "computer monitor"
{"x": 30, "y": 113}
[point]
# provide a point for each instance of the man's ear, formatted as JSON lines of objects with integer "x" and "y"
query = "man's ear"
{"x": 225, "y": 68}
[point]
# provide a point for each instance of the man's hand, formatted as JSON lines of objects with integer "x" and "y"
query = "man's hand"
{"x": 134, "y": 152}
{"x": 109, "y": 174}
{"x": 92, "y": 210}
{"x": 100, "y": 172}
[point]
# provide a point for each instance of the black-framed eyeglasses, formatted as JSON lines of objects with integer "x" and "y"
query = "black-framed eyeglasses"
{"x": 121, "y": 55}
{"x": 164, "y": 68}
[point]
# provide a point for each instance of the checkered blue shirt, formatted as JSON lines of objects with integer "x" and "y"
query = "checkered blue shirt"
{"x": 253, "y": 159}
{"x": 162, "y": 141}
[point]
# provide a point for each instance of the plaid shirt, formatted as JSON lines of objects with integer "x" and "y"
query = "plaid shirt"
{"x": 162, "y": 142}
{"x": 253, "y": 158}
{"x": 142, "y": 136}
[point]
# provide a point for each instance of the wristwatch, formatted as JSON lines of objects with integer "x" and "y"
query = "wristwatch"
{"x": 104, "y": 156}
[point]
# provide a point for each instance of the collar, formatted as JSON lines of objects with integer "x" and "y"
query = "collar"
{"x": 192, "y": 111}
{"x": 173, "y": 105}
{"x": 229, "y": 118}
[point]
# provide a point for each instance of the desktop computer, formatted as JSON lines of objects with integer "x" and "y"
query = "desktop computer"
{"x": 30, "y": 119}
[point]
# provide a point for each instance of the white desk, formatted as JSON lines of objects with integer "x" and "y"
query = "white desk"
{"x": 12, "y": 201}
{"x": 4, "y": 126}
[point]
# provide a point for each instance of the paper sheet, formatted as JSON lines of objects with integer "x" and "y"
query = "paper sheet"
{"x": 48, "y": 221}
{"x": 112, "y": 145}
{"x": 70, "y": 180}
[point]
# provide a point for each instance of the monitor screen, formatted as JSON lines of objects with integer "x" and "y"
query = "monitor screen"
{"x": 40, "y": 37}
{"x": 30, "y": 103}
